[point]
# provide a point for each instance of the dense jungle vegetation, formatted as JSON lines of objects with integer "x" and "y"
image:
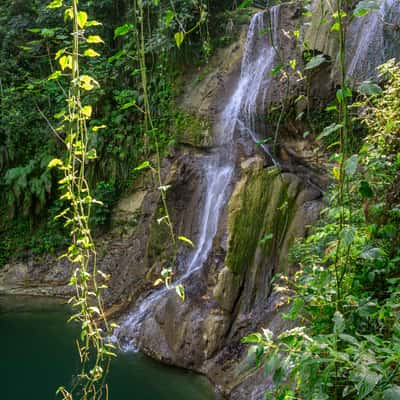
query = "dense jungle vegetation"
{"x": 30, "y": 36}
{"x": 345, "y": 296}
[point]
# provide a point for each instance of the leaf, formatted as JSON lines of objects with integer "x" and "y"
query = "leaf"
{"x": 54, "y": 75}
{"x": 351, "y": 165}
{"x": 87, "y": 111}
{"x": 369, "y": 381}
{"x": 328, "y": 130}
{"x": 122, "y": 30}
{"x": 275, "y": 70}
{"x": 338, "y": 321}
{"x": 364, "y": 7}
{"x": 82, "y": 18}
{"x": 315, "y": 61}
{"x": 365, "y": 190}
{"x": 347, "y": 235}
{"x": 158, "y": 282}
{"x": 93, "y": 23}
{"x": 143, "y": 165}
{"x": 65, "y": 62}
{"x": 342, "y": 93}
{"x": 253, "y": 338}
{"x": 244, "y": 4}
{"x": 371, "y": 254}
{"x": 180, "y": 291}
{"x": 179, "y": 38}
{"x": 91, "y": 53}
{"x": 55, "y": 162}
{"x": 86, "y": 82}
{"x": 186, "y": 240}
{"x": 349, "y": 339}
{"x": 169, "y": 16}
{"x": 128, "y": 105}
{"x": 55, "y": 4}
{"x": 60, "y": 53}
{"x": 69, "y": 13}
{"x": 94, "y": 39}
{"x": 98, "y": 127}
{"x": 369, "y": 88}
{"x": 392, "y": 393}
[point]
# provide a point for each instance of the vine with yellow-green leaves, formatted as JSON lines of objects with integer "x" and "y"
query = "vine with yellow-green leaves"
{"x": 94, "y": 350}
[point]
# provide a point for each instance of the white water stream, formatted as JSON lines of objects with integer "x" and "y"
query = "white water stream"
{"x": 368, "y": 33}
{"x": 238, "y": 116}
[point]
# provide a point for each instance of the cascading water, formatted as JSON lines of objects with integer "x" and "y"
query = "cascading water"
{"x": 368, "y": 34}
{"x": 239, "y": 115}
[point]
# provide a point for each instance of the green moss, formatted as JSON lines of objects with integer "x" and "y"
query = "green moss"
{"x": 260, "y": 212}
{"x": 192, "y": 130}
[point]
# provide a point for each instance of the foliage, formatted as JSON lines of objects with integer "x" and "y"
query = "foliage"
{"x": 346, "y": 293}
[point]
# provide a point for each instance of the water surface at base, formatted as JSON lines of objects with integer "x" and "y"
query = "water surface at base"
{"x": 38, "y": 355}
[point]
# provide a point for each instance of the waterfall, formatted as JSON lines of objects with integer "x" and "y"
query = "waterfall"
{"x": 368, "y": 34}
{"x": 238, "y": 117}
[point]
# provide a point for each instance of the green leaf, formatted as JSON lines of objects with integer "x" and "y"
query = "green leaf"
{"x": 143, "y": 165}
{"x": 369, "y": 88}
{"x": 82, "y": 19}
{"x": 315, "y": 61}
{"x": 275, "y": 70}
{"x": 169, "y": 16}
{"x": 186, "y": 240}
{"x": 244, "y": 4}
{"x": 253, "y": 338}
{"x": 122, "y": 30}
{"x": 128, "y": 105}
{"x": 351, "y": 165}
{"x": 179, "y": 38}
{"x": 54, "y": 75}
{"x": 347, "y": 235}
{"x": 372, "y": 254}
{"x": 339, "y": 323}
{"x": 366, "y": 190}
{"x": 342, "y": 93}
{"x": 328, "y": 130}
{"x": 392, "y": 393}
{"x": 364, "y": 7}
{"x": 368, "y": 383}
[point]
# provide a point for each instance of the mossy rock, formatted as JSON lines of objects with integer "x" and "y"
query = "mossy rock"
{"x": 260, "y": 211}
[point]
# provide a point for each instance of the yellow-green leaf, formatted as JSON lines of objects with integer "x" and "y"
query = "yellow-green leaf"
{"x": 186, "y": 240}
{"x": 98, "y": 127}
{"x": 55, "y": 162}
{"x": 54, "y": 75}
{"x": 69, "y": 13}
{"x": 65, "y": 62}
{"x": 91, "y": 53}
{"x": 87, "y": 111}
{"x": 82, "y": 19}
{"x": 86, "y": 82}
{"x": 94, "y": 39}
{"x": 60, "y": 53}
{"x": 55, "y": 4}
{"x": 93, "y": 23}
{"x": 179, "y": 38}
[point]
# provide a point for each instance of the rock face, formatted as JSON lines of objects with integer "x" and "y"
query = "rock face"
{"x": 274, "y": 198}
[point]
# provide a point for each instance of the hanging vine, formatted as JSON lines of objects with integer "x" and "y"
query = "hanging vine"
{"x": 94, "y": 350}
